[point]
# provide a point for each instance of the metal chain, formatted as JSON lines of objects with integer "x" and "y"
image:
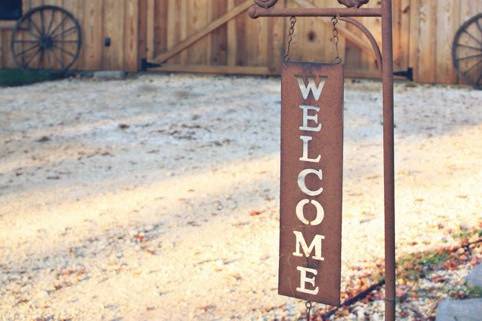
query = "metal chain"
{"x": 291, "y": 33}
{"x": 308, "y": 306}
{"x": 335, "y": 39}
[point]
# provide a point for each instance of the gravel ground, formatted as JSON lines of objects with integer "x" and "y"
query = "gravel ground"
{"x": 424, "y": 280}
{"x": 156, "y": 198}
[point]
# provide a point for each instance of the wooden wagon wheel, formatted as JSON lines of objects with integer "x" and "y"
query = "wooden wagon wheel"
{"x": 46, "y": 37}
{"x": 467, "y": 51}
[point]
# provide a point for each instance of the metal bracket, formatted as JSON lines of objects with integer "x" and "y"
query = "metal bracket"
{"x": 146, "y": 65}
{"x": 405, "y": 73}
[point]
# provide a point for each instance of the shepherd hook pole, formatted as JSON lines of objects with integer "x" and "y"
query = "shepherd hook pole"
{"x": 266, "y": 8}
{"x": 388, "y": 161}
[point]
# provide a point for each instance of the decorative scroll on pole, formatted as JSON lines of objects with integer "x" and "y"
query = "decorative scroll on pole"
{"x": 311, "y": 160}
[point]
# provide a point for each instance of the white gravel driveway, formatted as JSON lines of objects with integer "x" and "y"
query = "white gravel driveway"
{"x": 156, "y": 198}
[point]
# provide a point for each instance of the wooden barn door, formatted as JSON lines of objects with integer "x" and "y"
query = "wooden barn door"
{"x": 209, "y": 36}
{"x": 218, "y": 36}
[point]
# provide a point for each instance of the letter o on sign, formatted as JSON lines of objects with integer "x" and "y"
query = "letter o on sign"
{"x": 320, "y": 212}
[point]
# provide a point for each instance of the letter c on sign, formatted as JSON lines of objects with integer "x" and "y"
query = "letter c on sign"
{"x": 302, "y": 181}
{"x": 320, "y": 212}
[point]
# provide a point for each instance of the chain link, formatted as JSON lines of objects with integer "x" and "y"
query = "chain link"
{"x": 308, "y": 306}
{"x": 335, "y": 39}
{"x": 291, "y": 33}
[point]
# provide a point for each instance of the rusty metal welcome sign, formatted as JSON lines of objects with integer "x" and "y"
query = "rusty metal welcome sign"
{"x": 312, "y": 156}
{"x": 311, "y": 181}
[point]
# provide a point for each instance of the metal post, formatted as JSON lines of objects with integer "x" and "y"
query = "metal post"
{"x": 388, "y": 160}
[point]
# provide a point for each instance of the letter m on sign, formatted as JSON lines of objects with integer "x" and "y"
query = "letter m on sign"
{"x": 311, "y": 182}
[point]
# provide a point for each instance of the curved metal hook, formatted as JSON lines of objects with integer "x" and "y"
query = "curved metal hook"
{"x": 265, "y": 3}
{"x": 368, "y": 34}
{"x": 353, "y": 3}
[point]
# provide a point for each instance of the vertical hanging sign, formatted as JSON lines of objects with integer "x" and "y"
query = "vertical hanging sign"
{"x": 311, "y": 181}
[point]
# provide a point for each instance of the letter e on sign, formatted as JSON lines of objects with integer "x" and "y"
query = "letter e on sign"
{"x": 311, "y": 181}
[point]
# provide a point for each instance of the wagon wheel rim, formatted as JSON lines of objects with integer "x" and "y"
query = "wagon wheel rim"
{"x": 467, "y": 51}
{"x": 47, "y": 38}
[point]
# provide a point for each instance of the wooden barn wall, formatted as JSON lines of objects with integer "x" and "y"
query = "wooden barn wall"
{"x": 427, "y": 31}
{"x": 423, "y": 34}
{"x": 313, "y": 41}
{"x": 117, "y": 19}
{"x": 240, "y": 44}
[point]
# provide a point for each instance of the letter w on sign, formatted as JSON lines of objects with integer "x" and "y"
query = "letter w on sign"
{"x": 311, "y": 181}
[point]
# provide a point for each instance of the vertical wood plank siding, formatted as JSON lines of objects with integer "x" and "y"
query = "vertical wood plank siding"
{"x": 99, "y": 19}
{"x": 138, "y": 29}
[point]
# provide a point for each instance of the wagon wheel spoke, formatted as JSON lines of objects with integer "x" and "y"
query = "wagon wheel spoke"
{"x": 42, "y": 59}
{"x": 27, "y": 63}
{"x": 28, "y": 57}
{"x": 32, "y": 34}
{"x": 26, "y": 26}
{"x": 61, "y": 61}
{"x": 25, "y": 41}
{"x": 64, "y": 33}
{"x": 469, "y": 47}
{"x": 52, "y": 18}
{"x": 59, "y": 25}
{"x": 478, "y": 80}
{"x": 49, "y": 60}
{"x": 469, "y": 57}
{"x": 28, "y": 50}
{"x": 471, "y": 36}
{"x": 39, "y": 32}
{"x": 65, "y": 51}
{"x": 66, "y": 41}
{"x": 37, "y": 61}
{"x": 466, "y": 72}
{"x": 42, "y": 22}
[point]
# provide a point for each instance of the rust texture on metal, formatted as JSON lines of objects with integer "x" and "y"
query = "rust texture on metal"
{"x": 311, "y": 181}
{"x": 256, "y": 12}
{"x": 371, "y": 39}
{"x": 388, "y": 160}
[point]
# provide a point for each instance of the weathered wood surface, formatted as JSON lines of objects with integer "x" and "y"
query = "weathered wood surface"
{"x": 185, "y": 33}
{"x": 116, "y": 19}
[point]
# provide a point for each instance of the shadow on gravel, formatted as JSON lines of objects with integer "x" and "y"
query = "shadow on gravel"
{"x": 20, "y": 77}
